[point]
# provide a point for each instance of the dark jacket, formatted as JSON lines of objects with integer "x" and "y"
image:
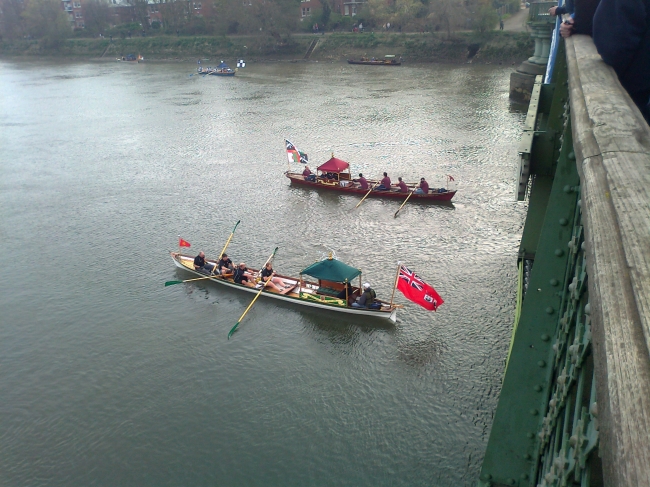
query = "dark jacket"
{"x": 622, "y": 37}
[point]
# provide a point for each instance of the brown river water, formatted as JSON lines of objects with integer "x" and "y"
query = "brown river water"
{"x": 109, "y": 378}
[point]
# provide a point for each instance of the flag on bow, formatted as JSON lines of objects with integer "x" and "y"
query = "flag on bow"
{"x": 415, "y": 289}
{"x": 294, "y": 155}
{"x": 183, "y": 243}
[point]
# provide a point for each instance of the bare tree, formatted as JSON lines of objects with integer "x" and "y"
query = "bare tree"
{"x": 448, "y": 14}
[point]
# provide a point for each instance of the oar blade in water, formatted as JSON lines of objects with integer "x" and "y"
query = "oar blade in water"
{"x": 232, "y": 330}
{"x": 171, "y": 283}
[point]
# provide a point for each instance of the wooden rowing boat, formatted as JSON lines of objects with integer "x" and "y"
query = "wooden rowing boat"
{"x": 331, "y": 274}
{"x": 346, "y": 185}
{"x": 389, "y": 60}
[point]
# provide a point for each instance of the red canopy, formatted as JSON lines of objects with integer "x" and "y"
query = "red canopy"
{"x": 334, "y": 165}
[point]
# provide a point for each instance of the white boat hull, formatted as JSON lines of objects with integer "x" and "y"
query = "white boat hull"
{"x": 388, "y": 315}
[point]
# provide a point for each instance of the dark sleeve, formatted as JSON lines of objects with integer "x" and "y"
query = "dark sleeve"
{"x": 584, "y": 16}
{"x": 619, "y": 29}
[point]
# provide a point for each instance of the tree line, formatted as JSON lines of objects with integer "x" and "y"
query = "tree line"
{"x": 45, "y": 19}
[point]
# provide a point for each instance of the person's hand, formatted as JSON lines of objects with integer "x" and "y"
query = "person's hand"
{"x": 567, "y": 28}
{"x": 552, "y": 10}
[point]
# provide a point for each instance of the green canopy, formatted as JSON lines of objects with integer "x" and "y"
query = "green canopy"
{"x": 331, "y": 270}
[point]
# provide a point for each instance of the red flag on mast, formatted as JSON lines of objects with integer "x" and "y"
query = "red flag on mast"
{"x": 415, "y": 289}
{"x": 183, "y": 243}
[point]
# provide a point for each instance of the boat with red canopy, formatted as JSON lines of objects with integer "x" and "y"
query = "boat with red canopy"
{"x": 335, "y": 175}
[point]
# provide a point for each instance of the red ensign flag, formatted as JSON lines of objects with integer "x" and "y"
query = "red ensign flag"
{"x": 183, "y": 243}
{"x": 418, "y": 291}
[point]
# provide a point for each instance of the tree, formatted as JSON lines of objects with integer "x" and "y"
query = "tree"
{"x": 12, "y": 25}
{"x": 486, "y": 18}
{"x": 447, "y": 14}
{"x": 46, "y": 20}
{"x": 97, "y": 16}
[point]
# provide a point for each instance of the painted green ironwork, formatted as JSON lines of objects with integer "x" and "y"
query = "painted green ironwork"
{"x": 545, "y": 430}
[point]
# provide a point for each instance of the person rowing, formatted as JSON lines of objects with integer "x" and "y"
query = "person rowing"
{"x": 242, "y": 276}
{"x": 201, "y": 266}
{"x": 224, "y": 266}
{"x": 423, "y": 187}
{"x": 385, "y": 183}
{"x": 363, "y": 183}
{"x": 272, "y": 282}
{"x": 402, "y": 186}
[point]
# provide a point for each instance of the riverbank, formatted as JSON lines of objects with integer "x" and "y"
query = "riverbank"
{"x": 492, "y": 47}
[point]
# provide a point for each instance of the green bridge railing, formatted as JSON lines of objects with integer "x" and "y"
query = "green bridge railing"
{"x": 574, "y": 408}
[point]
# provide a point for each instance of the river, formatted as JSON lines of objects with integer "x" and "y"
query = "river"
{"x": 109, "y": 378}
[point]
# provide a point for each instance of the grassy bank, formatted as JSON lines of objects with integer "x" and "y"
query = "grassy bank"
{"x": 491, "y": 47}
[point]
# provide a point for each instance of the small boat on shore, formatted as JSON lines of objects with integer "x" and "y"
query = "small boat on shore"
{"x": 131, "y": 58}
{"x": 389, "y": 60}
{"x": 335, "y": 175}
{"x": 333, "y": 276}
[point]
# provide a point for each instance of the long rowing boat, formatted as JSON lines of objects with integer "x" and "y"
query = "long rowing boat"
{"x": 332, "y": 275}
{"x": 346, "y": 185}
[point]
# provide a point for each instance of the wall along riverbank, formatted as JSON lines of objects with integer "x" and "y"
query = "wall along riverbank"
{"x": 489, "y": 48}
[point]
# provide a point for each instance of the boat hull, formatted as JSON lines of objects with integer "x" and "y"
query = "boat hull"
{"x": 374, "y": 63}
{"x": 299, "y": 180}
{"x": 387, "y": 315}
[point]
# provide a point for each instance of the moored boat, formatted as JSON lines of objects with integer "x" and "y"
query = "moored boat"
{"x": 333, "y": 276}
{"x": 222, "y": 70}
{"x": 389, "y": 60}
{"x": 335, "y": 175}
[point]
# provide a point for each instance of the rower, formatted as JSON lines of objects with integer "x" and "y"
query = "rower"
{"x": 385, "y": 183}
{"x": 224, "y": 266}
{"x": 363, "y": 184}
{"x": 423, "y": 187}
{"x": 201, "y": 266}
{"x": 402, "y": 186}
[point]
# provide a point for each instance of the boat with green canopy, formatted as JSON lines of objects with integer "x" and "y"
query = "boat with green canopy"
{"x": 333, "y": 278}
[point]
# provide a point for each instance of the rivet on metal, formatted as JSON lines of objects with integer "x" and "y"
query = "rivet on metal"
{"x": 527, "y": 456}
{"x": 541, "y": 363}
{"x": 572, "y": 156}
{"x": 534, "y": 412}
{"x": 568, "y": 189}
{"x": 531, "y": 435}
{"x": 511, "y": 481}
{"x": 549, "y": 310}
{"x": 554, "y": 282}
{"x": 559, "y": 252}
{"x": 538, "y": 388}
{"x": 564, "y": 222}
{"x": 587, "y": 309}
{"x": 545, "y": 337}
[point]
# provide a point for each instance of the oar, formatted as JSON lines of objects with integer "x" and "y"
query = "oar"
{"x": 225, "y": 246}
{"x": 254, "y": 299}
{"x": 369, "y": 191}
{"x": 407, "y": 198}
{"x": 171, "y": 283}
